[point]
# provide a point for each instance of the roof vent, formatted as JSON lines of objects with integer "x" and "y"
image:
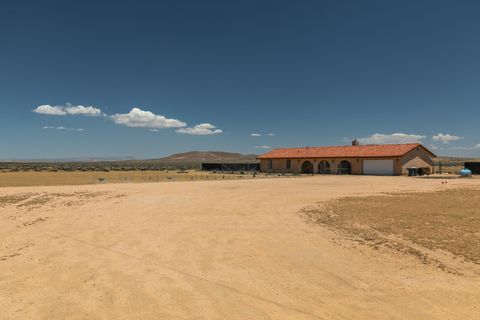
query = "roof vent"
{"x": 355, "y": 142}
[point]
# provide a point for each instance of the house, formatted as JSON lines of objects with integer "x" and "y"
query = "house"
{"x": 385, "y": 159}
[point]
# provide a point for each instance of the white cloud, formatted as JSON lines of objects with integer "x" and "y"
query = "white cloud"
{"x": 260, "y": 134}
{"x": 446, "y": 138}
{"x": 434, "y": 147}
{"x": 62, "y": 128}
{"x": 200, "y": 129}
{"x": 475, "y": 147}
{"x": 81, "y": 110}
{"x": 138, "y": 118}
{"x": 379, "y": 138}
{"x": 263, "y": 147}
{"x": 461, "y": 148}
{"x": 50, "y": 110}
{"x": 68, "y": 109}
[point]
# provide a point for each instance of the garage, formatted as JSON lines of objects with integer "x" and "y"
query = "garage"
{"x": 378, "y": 167}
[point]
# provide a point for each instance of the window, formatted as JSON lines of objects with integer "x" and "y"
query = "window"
{"x": 270, "y": 164}
{"x": 289, "y": 164}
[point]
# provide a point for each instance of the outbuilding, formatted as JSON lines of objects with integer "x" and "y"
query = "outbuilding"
{"x": 473, "y": 166}
{"x": 384, "y": 159}
{"x": 231, "y": 166}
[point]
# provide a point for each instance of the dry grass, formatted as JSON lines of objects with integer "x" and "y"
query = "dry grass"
{"x": 447, "y": 220}
{"x": 32, "y": 201}
{"x": 23, "y": 179}
{"x": 13, "y": 199}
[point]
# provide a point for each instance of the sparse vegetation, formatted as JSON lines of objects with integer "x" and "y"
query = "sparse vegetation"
{"x": 94, "y": 166}
{"x": 447, "y": 221}
{"x": 181, "y": 161}
{"x": 48, "y": 178}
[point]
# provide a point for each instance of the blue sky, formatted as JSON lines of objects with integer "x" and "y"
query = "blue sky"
{"x": 151, "y": 78}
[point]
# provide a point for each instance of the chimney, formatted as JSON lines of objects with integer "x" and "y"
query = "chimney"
{"x": 355, "y": 142}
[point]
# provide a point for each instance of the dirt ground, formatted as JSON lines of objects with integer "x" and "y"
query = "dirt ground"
{"x": 411, "y": 223}
{"x": 239, "y": 249}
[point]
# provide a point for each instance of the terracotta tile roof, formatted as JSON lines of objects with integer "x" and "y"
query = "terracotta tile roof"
{"x": 381, "y": 150}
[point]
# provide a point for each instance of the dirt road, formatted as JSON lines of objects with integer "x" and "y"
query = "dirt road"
{"x": 211, "y": 250}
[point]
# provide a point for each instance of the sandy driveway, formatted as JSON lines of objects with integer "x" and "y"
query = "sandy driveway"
{"x": 210, "y": 250}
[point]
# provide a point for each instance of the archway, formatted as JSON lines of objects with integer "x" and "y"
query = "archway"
{"x": 307, "y": 167}
{"x": 324, "y": 167}
{"x": 344, "y": 167}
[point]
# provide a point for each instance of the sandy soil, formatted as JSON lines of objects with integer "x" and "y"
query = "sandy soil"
{"x": 212, "y": 250}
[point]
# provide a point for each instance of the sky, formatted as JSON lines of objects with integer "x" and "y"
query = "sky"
{"x": 146, "y": 79}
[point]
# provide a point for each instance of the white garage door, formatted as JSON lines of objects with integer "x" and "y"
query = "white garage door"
{"x": 378, "y": 167}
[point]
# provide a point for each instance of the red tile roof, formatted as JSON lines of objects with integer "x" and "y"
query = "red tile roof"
{"x": 381, "y": 150}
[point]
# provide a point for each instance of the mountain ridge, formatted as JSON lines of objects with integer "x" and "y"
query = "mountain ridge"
{"x": 206, "y": 156}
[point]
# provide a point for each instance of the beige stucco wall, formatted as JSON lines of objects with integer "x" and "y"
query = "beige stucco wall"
{"x": 415, "y": 158}
{"x": 280, "y": 165}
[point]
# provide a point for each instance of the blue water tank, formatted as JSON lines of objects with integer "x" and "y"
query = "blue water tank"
{"x": 465, "y": 172}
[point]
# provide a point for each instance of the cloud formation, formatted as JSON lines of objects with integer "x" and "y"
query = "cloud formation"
{"x": 260, "y": 134}
{"x": 263, "y": 147}
{"x": 461, "y": 148}
{"x": 475, "y": 147}
{"x": 200, "y": 129}
{"x": 84, "y": 111}
{"x": 138, "y": 118}
{"x": 379, "y": 138}
{"x": 68, "y": 109}
{"x": 50, "y": 110}
{"x": 446, "y": 138}
{"x": 62, "y": 128}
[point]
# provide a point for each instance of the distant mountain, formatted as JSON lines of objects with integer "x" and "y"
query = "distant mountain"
{"x": 192, "y": 157}
{"x": 207, "y": 156}
{"x": 61, "y": 160}
{"x": 454, "y": 159}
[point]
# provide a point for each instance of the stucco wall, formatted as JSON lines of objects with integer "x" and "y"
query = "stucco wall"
{"x": 280, "y": 165}
{"x": 416, "y": 158}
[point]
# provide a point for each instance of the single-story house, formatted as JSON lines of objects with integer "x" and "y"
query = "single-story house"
{"x": 384, "y": 159}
